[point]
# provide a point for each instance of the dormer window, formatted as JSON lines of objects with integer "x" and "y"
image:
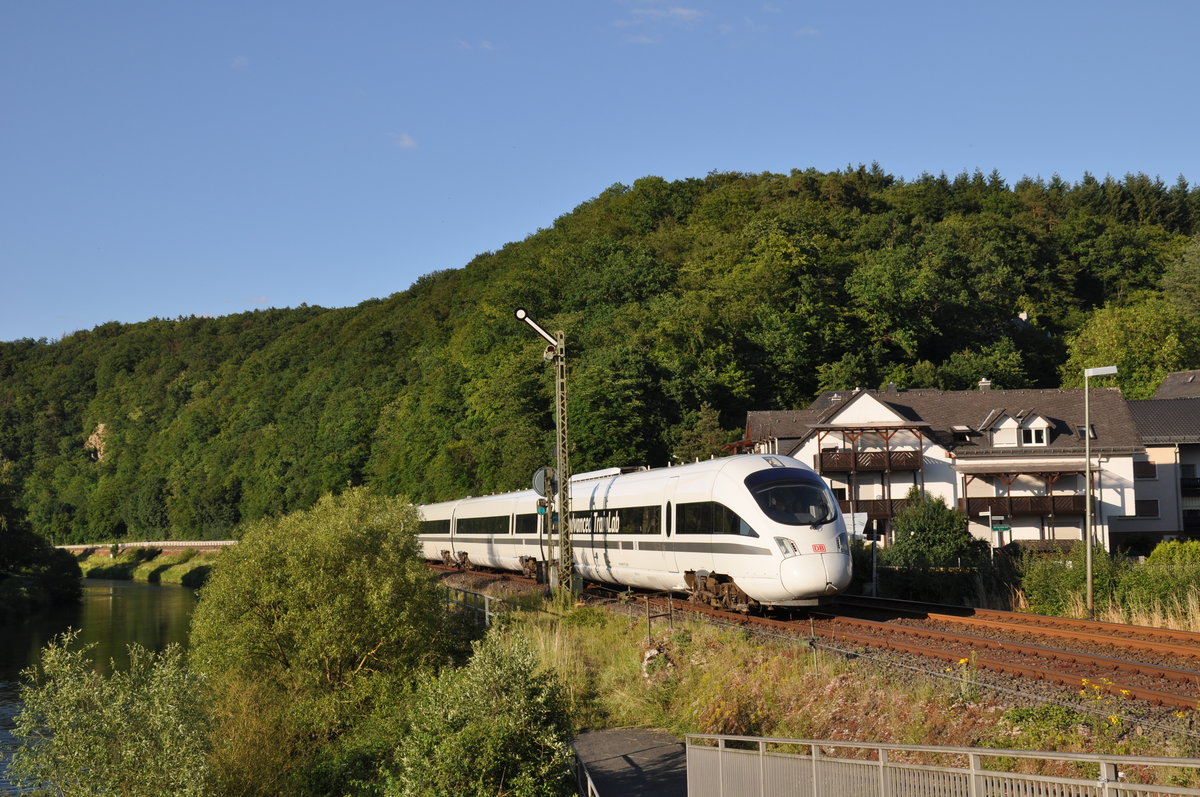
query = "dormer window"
{"x": 1005, "y": 434}
{"x": 1035, "y": 430}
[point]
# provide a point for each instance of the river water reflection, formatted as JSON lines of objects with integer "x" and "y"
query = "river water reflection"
{"x": 112, "y": 615}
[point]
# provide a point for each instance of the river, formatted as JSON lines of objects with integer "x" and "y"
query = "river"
{"x": 112, "y": 615}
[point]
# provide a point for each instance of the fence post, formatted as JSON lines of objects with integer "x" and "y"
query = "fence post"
{"x": 1108, "y": 774}
{"x": 884, "y": 787}
{"x": 816, "y": 753}
{"x": 976, "y": 783}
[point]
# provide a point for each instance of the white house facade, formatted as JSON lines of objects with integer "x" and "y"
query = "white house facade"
{"x": 1013, "y": 461}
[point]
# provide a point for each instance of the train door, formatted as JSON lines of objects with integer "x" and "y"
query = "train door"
{"x": 669, "y": 562}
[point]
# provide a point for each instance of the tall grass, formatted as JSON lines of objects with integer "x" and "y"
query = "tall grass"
{"x": 698, "y": 678}
{"x": 1163, "y": 590}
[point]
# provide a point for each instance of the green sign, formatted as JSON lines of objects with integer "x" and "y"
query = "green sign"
{"x": 1001, "y": 528}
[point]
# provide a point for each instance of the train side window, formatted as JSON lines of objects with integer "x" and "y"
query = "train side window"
{"x": 435, "y": 527}
{"x": 527, "y": 524}
{"x": 694, "y": 518}
{"x": 638, "y": 520}
{"x": 668, "y": 518}
{"x": 709, "y": 517}
{"x": 726, "y": 521}
{"x": 494, "y": 526}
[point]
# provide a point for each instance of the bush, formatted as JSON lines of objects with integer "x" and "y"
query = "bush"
{"x": 140, "y": 732}
{"x": 931, "y": 534}
{"x": 495, "y": 726}
{"x": 317, "y": 617}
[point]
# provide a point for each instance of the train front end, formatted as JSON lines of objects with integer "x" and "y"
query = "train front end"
{"x": 804, "y": 524}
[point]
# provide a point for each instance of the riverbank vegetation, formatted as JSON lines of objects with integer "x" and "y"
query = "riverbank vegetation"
{"x": 686, "y": 304}
{"x": 33, "y": 573}
{"x": 187, "y": 567}
{"x": 322, "y": 660}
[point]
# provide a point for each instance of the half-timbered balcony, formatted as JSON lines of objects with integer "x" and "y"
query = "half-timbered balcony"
{"x": 855, "y": 462}
{"x": 1017, "y": 505}
{"x": 876, "y": 509}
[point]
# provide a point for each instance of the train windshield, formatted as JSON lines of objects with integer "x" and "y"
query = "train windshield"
{"x": 792, "y": 497}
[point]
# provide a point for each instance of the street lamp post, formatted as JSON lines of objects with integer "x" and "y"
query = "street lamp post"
{"x": 556, "y": 352}
{"x": 1107, "y": 370}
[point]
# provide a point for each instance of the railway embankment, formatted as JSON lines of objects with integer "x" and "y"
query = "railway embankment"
{"x": 186, "y": 566}
{"x": 687, "y": 676}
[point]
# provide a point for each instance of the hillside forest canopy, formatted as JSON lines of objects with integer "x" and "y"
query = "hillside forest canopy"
{"x": 685, "y": 304}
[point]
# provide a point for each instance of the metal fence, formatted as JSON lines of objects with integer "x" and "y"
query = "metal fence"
{"x": 483, "y": 608}
{"x": 740, "y": 766}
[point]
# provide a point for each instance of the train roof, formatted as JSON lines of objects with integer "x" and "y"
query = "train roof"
{"x": 739, "y": 466}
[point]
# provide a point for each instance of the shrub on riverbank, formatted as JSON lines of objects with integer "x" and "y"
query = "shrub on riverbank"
{"x": 33, "y": 574}
{"x": 141, "y": 731}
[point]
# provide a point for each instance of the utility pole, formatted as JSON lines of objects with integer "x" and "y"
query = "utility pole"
{"x": 1088, "y": 373}
{"x": 560, "y": 521}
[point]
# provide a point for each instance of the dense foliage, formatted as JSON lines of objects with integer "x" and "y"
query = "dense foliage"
{"x": 1166, "y": 583}
{"x": 685, "y": 304}
{"x": 499, "y": 725}
{"x": 930, "y": 534}
{"x": 322, "y": 661}
{"x": 140, "y": 731}
{"x": 311, "y": 631}
{"x": 33, "y": 574}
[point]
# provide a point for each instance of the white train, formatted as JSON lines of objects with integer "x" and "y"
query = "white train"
{"x": 736, "y": 532}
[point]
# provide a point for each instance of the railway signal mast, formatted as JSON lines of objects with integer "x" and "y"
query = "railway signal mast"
{"x": 559, "y": 522}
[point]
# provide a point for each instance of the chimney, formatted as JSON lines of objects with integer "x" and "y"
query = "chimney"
{"x": 891, "y": 388}
{"x": 985, "y": 384}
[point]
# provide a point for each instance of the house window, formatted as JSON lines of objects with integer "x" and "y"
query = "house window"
{"x": 1033, "y": 437}
{"x": 1144, "y": 470}
{"x": 1005, "y": 437}
{"x": 1146, "y": 507}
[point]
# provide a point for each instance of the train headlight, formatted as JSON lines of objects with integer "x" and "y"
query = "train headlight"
{"x": 787, "y": 547}
{"x": 843, "y": 543}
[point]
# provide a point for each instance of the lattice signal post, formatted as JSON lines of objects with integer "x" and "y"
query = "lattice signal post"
{"x": 560, "y": 516}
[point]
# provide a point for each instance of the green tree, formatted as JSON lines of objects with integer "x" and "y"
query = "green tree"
{"x": 1146, "y": 341}
{"x": 495, "y": 726}
{"x": 928, "y": 533}
{"x": 141, "y": 732}
{"x": 306, "y": 628}
{"x": 700, "y": 436}
{"x": 1181, "y": 280}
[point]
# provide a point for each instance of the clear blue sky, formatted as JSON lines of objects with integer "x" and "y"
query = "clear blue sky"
{"x": 176, "y": 157}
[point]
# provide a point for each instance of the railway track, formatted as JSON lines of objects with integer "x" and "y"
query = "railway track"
{"x": 1151, "y": 664}
{"x": 1159, "y": 666}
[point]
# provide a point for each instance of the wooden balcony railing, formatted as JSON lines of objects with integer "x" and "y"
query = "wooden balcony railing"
{"x": 876, "y": 509}
{"x": 851, "y": 462}
{"x": 1010, "y": 506}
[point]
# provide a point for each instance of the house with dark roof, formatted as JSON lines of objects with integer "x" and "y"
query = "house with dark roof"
{"x": 1165, "y": 477}
{"x": 1013, "y": 461}
{"x": 1181, "y": 384}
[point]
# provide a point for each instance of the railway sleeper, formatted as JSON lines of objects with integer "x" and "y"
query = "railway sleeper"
{"x": 718, "y": 591}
